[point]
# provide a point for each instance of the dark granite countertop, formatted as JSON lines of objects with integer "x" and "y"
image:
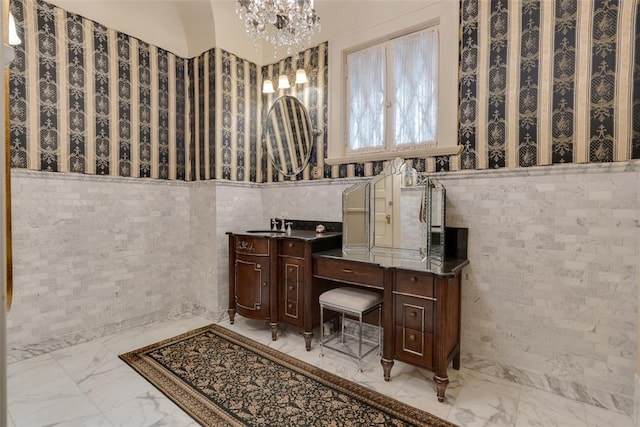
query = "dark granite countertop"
{"x": 399, "y": 259}
{"x": 306, "y": 235}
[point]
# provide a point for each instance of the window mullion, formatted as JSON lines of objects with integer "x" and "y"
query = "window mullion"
{"x": 389, "y": 125}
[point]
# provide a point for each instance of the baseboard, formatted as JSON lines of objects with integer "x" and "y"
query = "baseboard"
{"x": 16, "y": 354}
{"x": 561, "y": 386}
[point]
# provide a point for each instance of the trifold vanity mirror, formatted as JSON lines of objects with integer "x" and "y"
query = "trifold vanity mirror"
{"x": 289, "y": 135}
{"x": 397, "y": 209}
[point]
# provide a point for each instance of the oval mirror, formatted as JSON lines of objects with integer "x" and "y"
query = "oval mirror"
{"x": 289, "y": 135}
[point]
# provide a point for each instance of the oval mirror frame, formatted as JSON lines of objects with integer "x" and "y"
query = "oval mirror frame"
{"x": 289, "y": 135}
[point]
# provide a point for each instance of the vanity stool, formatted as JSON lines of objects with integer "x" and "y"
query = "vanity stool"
{"x": 354, "y": 302}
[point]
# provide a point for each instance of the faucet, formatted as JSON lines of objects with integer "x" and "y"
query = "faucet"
{"x": 274, "y": 224}
{"x": 283, "y": 227}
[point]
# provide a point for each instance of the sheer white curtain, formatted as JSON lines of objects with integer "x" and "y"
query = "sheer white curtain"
{"x": 366, "y": 90}
{"x": 415, "y": 63}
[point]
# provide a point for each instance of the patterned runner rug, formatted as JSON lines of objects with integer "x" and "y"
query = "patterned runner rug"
{"x": 222, "y": 378}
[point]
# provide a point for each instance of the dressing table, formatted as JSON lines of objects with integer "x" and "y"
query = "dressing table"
{"x": 421, "y": 304}
{"x": 395, "y": 241}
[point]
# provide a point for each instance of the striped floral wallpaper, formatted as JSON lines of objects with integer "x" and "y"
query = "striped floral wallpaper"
{"x": 110, "y": 104}
{"x": 229, "y": 109}
{"x": 570, "y": 97}
{"x": 87, "y": 99}
{"x": 226, "y": 104}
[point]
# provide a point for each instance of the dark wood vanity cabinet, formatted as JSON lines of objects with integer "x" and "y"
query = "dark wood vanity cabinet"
{"x": 427, "y": 322}
{"x": 421, "y": 310}
{"x": 270, "y": 277}
{"x": 291, "y": 276}
{"x": 252, "y": 289}
{"x": 297, "y": 297}
{"x": 413, "y": 318}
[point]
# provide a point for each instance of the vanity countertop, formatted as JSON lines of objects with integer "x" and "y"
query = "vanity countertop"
{"x": 400, "y": 259}
{"x": 305, "y": 235}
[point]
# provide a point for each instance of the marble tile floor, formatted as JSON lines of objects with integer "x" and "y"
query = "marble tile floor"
{"x": 87, "y": 385}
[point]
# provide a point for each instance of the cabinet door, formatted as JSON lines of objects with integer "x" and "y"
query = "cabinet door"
{"x": 291, "y": 288}
{"x": 252, "y": 286}
{"x": 414, "y": 330}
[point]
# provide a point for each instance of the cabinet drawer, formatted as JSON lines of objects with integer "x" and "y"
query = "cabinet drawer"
{"x": 293, "y": 248}
{"x": 350, "y": 272}
{"x": 414, "y": 346}
{"x": 252, "y": 245}
{"x": 413, "y": 283}
{"x": 291, "y": 280}
{"x": 414, "y": 313}
{"x": 292, "y": 270}
{"x": 291, "y": 310}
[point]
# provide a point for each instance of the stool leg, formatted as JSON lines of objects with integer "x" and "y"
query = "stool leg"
{"x": 321, "y": 331}
{"x": 360, "y": 344}
{"x": 342, "y": 328}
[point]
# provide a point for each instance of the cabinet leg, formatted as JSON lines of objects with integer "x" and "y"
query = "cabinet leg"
{"x": 232, "y": 314}
{"x": 308, "y": 336}
{"x": 274, "y": 331}
{"x": 441, "y": 386}
{"x": 456, "y": 361}
{"x": 336, "y": 324}
{"x": 386, "y": 368}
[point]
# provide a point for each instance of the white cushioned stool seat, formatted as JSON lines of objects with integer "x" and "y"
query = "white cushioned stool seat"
{"x": 355, "y": 302}
{"x": 350, "y": 299}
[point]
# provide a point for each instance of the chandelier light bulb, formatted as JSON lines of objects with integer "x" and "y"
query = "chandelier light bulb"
{"x": 283, "y": 82}
{"x": 301, "y": 76}
{"x": 267, "y": 86}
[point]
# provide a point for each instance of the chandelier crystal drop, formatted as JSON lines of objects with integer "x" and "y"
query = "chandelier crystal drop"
{"x": 283, "y": 23}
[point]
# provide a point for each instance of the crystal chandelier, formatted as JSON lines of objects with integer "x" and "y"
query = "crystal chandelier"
{"x": 289, "y": 23}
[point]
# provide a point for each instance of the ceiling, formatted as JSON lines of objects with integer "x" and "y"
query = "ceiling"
{"x": 190, "y": 27}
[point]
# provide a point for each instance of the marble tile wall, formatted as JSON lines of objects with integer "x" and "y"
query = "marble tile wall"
{"x": 239, "y": 207}
{"x": 96, "y": 255}
{"x": 550, "y": 296}
{"x": 93, "y": 255}
{"x": 312, "y": 200}
{"x": 203, "y": 261}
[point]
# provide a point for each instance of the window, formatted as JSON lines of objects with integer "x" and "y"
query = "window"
{"x": 420, "y": 122}
{"x": 392, "y": 94}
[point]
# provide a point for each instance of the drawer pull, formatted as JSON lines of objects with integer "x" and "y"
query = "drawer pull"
{"x": 265, "y": 284}
{"x": 290, "y": 288}
{"x": 412, "y": 337}
{"x": 258, "y": 266}
{"x": 414, "y": 314}
{"x": 290, "y": 269}
{"x": 290, "y": 306}
{"x": 290, "y": 245}
{"x": 347, "y": 270}
{"x": 413, "y": 279}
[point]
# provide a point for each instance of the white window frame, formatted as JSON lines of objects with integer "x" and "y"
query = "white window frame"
{"x": 444, "y": 14}
{"x": 389, "y": 126}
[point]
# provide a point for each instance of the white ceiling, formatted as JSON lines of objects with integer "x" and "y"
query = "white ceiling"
{"x": 190, "y": 27}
